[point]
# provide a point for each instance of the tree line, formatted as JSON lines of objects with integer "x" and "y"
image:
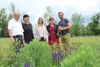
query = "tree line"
{"x": 92, "y": 28}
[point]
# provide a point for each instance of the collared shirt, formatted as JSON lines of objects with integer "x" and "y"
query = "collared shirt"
{"x": 16, "y": 27}
{"x": 63, "y": 24}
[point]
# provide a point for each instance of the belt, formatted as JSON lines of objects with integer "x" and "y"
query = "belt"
{"x": 17, "y": 36}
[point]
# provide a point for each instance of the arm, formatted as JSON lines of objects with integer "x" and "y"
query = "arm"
{"x": 47, "y": 27}
{"x": 23, "y": 33}
{"x": 47, "y": 36}
{"x": 10, "y": 34}
{"x": 46, "y": 33}
{"x": 10, "y": 31}
{"x": 69, "y": 26}
{"x": 60, "y": 28}
{"x": 32, "y": 34}
{"x": 23, "y": 38}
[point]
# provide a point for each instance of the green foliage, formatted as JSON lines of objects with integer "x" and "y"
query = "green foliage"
{"x": 37, "y": 54}
{"x": 95, "y": 24}
{"x": 81, "y": 58}
{"x": 93, "y": 28}
{"x": 88, "y": 31}
{"x": 77, "y": 21}
{"x": 4, "y": 22}
{"x": 48, "y": 14}
{"x": 76, "y": 30}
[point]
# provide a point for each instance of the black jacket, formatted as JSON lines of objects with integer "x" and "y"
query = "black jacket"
{"x": 56, "y": 30}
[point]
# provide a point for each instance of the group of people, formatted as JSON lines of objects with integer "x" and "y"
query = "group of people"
{"x": 50, "y": 33}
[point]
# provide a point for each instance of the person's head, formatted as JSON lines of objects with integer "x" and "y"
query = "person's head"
{"x": 26, "y": 18}
{"x": 40, "y": 21}
{"x": 51, "y": 20}
{"x": 16, "y": 15}
{"x": 61, "y": 15}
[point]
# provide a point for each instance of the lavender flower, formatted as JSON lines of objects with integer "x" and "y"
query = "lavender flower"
{"x": 27, "y": 64}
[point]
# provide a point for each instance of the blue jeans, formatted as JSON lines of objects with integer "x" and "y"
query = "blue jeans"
{"x": 18, "y": 40}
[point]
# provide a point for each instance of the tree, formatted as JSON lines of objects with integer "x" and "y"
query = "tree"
{"x": 88, "y": 31}
{"x": 48, "y": 14}
{"x": 77, "y": 21}
{"x": 3, "y": 23}
{"x": 12, "y": 8}
{"x": 95, "y": 24}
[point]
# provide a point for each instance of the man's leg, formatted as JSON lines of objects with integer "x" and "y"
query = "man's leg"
{"x": 15, "y": 40}
{"x": 63, "y": 44}
{"x": 16, "y": 45}
{"x": 65, "y": 39}
{"x": 21, "y": 41}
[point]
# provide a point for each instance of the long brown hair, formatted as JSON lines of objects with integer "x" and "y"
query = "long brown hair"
{"x": 39, "y": 20}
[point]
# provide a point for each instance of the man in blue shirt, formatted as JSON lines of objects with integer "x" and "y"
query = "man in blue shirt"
{"x": 64, "y": 27}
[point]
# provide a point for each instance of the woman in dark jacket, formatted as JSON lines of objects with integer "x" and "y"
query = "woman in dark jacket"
{"x": 53, "y": 33}
{"x": 28, "y": 33}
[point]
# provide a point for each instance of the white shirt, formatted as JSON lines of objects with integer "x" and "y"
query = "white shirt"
{"x": 41, "y": 31}
{"x": 16, "y": 27}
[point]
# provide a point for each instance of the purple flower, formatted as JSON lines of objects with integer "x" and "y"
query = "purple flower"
{"x": 27, "y": 64}
{"x": 60, "y": 55}
{"x": 17, "y": 65}
{"x": 54, "y": 56}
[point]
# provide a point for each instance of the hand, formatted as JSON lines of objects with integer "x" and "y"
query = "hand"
{"x": 61, "y": 29}
{"x": 64, "y": 28}
{"x": 23, "y": 41}
{"x": 46, "y": 40}
{"x": 12, "y": 39}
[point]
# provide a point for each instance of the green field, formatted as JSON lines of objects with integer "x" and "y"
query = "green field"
{"x": 85, "y": 53}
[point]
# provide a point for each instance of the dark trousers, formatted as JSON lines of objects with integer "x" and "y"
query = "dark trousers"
{"x": 18, "y": 43}
{"x": 42, "y": 39}
{"x": 18, "y": 40}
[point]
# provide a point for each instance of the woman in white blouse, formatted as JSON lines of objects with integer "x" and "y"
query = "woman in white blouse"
{"x": 41, "y": 32}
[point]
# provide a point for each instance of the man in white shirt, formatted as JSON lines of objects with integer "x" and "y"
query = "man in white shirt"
{"x": 15, "y": 29}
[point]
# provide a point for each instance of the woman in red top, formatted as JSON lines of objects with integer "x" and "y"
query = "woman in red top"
{"x": 53, "y": 33}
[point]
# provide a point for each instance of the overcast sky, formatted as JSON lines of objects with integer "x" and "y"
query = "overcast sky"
{"x": 36, "y": 8}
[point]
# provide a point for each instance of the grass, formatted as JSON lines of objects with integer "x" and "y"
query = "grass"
{"x": 91, "y": 41}
{"x": 78, "y": 43}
